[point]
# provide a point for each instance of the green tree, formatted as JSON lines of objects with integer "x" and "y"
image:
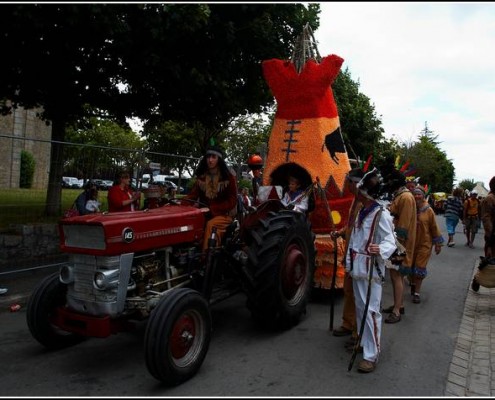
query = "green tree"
{"x": 97, "y": 160}
{"x": 60, "y": 57}
{"x": 430, "y": 162}
{"x": 246, "y": 135}
{"x": 361, "y": 128}
{"x": 27, "y": 170}
{"x": 467, "y": 184}
{"x": 202, "y": 62}
{"x": 177, "y": 139}
{"x": 195, "y": 63}
{"x": 432, "y": 165}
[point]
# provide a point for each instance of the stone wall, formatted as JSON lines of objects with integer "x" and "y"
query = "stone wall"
{"x": 27, "y": 244}
{"x": 34, "y": 137}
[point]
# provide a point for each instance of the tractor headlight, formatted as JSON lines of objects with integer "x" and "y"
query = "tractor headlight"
{"x": 66, "y": 274}
{"x": 106, "y": 279}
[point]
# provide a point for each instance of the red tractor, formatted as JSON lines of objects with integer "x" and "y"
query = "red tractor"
{"x": 130, "y": 266}
{"x": 126, "y": 267}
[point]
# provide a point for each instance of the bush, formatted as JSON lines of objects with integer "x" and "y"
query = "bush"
{"x": 245, "y": 183}
{"x": 27, "y": 170}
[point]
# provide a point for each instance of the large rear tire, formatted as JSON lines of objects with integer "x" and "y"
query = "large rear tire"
{"x": 281, "y": 260}
{"x": 177, "y": 336}
{"x": 49, "y": 294}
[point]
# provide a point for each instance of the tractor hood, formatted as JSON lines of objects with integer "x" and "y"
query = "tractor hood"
{"x": 129, "y": 232}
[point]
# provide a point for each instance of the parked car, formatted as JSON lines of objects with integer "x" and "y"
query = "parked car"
{"x": 159, "y": 180}
{"x": 70, "y": 182}
{"x": 107, "y": 184}
{"x": 135, "y": 184}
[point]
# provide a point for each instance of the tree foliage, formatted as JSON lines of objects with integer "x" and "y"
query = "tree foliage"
{"x": 202, "y": 62}
{"x": 246, "y": 135}
{"x": 467, "y": 184}
{"x": 429, "y": 162}
{"x": 432, "y": 165}
{"x": 177, "y": 139}
{"x": 361, "y": 128}
{"x": 193, "y": 63}
{"x": 108, "y": 148}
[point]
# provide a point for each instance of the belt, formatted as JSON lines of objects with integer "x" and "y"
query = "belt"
{"x": 363, "y": 254}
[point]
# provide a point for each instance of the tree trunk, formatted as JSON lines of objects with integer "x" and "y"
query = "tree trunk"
{"x": 54, "y": 193}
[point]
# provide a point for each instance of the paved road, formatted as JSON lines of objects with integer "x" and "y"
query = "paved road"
{"x": 416, "y": 358}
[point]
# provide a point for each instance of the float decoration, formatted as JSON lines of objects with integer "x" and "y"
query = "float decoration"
{"x": 307, "y": 141}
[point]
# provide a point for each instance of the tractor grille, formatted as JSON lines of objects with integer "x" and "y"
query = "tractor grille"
{"x": 84, "y": 236}
{"x": 83, "y": 296}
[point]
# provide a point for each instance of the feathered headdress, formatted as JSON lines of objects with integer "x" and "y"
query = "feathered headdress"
{"x": 365, "y": 165}
{"x": 407, "y": 169}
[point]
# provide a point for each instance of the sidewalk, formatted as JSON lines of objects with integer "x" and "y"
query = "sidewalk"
{"x": 473, "y": 362}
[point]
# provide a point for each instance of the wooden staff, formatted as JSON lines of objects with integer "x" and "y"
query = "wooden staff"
{"x": 332, "y": 286}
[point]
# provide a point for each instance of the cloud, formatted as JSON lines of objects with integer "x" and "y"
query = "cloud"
{"x": 423, "y": 63}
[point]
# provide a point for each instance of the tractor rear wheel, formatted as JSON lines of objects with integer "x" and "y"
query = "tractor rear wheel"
{"x": 281, "y": 261}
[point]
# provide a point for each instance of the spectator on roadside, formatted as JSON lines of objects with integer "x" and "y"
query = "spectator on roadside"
{"x": 215, "y": 188}
{"x": 488, "y": 220}
{"x": 428, "y": 235}
{"x": 83, "y": 198}
{"x": 295, "y": 198}
{"x": 93, "y": 204}
{"x": 121, "y": 197}
{"x": 453, "y": 213}
{"x": 471, "y": 217}
{"x": 172, "y": 192}
{"x": 244, "y": 200}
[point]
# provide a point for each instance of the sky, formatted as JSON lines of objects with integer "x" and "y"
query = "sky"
{"x": 423, "y": 63}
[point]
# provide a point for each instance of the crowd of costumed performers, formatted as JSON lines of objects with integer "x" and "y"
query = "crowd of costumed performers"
{"x": 355, "y": 213}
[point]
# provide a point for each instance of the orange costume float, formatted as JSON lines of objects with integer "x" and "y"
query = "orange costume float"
{"x": 306, "y": 133}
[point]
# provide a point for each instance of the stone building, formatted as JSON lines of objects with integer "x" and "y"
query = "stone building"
{"x": 23, "y": 130}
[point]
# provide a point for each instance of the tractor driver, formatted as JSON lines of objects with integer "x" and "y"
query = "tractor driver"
{"x": 216, "y": 188}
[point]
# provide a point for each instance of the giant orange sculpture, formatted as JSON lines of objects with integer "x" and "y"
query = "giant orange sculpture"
{"x": 306, "y": 140}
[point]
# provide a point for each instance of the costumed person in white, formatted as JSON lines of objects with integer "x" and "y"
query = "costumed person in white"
{"x": 295, "y": 198}
{"x": 371, "y": 240}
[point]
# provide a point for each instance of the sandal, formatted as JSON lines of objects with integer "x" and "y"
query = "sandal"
{"x": 416, "y": 298}
{"x": 391, "y": 308}
{"x": 392, "y": 318}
